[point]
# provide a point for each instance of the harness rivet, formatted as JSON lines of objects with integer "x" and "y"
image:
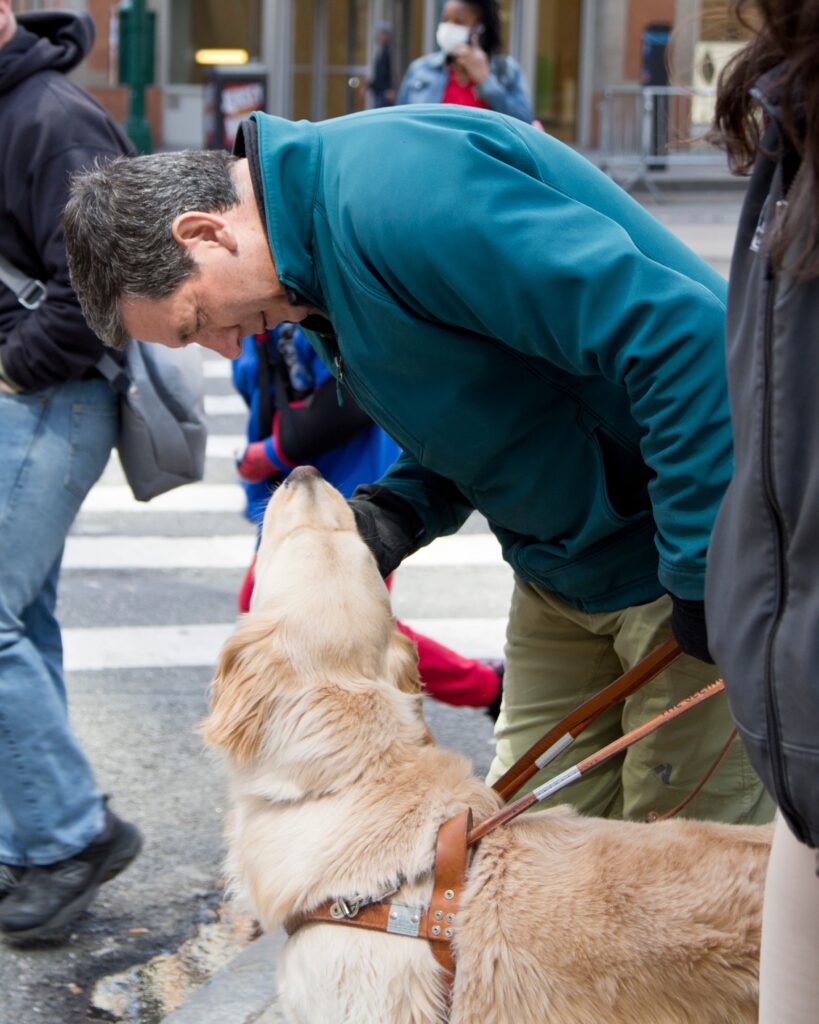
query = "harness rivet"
{"x": 436, "y": 929}
{"x": 438, "y": 915}
{"x": 448, "y": 932}
{"x": 415, "y": 919}
{"x": 449, "y": 895}
{"x": 393, "y": 914}
{"x": 450, "y": 917}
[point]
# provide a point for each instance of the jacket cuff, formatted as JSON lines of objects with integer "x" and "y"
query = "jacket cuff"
{"x": 274, "y": 456}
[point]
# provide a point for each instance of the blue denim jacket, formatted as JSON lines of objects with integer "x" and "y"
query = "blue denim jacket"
{"x": 504, "y": 90}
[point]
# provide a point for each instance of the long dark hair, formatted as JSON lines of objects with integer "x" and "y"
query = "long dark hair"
{"x": 490, "y": 38}
{"x": 788, "y": 36}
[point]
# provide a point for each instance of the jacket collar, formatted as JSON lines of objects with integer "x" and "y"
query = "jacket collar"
{"x": 289, "y": 158}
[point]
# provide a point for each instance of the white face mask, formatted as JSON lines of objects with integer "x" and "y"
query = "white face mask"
{"x": 450, "y": 36}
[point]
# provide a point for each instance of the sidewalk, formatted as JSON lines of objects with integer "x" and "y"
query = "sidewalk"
{"x": 244, "y": 992}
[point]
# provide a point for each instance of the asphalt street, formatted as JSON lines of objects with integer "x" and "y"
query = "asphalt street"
{"x": 148, "y": 595}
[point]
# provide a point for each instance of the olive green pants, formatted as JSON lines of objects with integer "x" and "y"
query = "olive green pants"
{"x": 557, "y": 657}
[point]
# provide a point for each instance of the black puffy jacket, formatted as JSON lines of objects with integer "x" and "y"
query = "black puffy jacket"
{"x": 49, "y": 128}
{"x": 762, "y": 590}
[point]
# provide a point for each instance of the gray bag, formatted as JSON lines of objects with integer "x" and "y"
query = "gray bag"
{"x": 163, "y": 433}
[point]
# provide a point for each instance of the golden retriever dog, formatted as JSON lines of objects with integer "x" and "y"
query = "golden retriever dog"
{"x": 338, "y": 790}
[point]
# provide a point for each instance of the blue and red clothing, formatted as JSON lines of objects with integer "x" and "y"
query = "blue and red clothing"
{"x": 362, "y": 458}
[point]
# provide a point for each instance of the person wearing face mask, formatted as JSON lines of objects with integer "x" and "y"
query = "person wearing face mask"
{"x": 467, "y": 68}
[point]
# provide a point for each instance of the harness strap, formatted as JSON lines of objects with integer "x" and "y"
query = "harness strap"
{"x": 435, "y": 924}
{"x": 569, "y": 728}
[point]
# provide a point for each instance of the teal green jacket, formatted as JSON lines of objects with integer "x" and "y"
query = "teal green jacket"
{"x": 542, "y": 349}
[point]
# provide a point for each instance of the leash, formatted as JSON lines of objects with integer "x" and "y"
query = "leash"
{"x": 654, "y": 816}
{"x": 593, "y": 761}
{"x": 562, "y": 735}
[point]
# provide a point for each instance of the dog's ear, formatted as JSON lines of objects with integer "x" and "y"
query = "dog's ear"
{"x": 402, "y": 663}
{"x": 242, "y": 690}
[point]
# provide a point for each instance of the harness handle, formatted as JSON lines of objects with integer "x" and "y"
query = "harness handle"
{"x": 562, "y": 735}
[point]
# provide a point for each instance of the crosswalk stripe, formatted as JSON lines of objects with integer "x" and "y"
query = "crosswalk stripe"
{"x": 143, "y": 647}
{"x": 224, "y": 446}
{"x": 234, "y": 550}
{"x": 225, "y": 405}
{"x": 193, "y": 498}
{"x": 216, "y": 369}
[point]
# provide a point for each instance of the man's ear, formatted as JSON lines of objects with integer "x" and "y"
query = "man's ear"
{"x": 195, "y": 228}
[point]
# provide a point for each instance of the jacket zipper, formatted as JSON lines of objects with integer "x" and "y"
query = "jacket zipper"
{"x": 339, "y": 364}
{"x": 778, "y": 522}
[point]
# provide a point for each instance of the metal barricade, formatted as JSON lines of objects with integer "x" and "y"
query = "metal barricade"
{"x": 645, "y": 131}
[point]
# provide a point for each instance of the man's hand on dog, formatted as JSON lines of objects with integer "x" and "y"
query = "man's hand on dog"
{"x": 389, "y": 526}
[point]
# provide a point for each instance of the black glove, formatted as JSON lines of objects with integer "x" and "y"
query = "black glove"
{"x": 389, "y": 525}
{"x": 688, "y": 627}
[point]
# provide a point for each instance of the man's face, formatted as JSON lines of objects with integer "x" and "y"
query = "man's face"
{"x": 229, "y": 298}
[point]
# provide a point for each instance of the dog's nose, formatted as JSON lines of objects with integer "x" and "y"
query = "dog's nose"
{"x": 302, "y": 474}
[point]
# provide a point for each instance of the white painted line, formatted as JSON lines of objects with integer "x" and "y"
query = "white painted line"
{"x": 460, "y": 549}
{"x": 191, "y": 498}
{"x": 230, "y": 552}
{"x": 88, "y": 650}
{"x": 234, "y": 550}
{"x": 225, "y": 405}
{"x": 223, "y": 446}
{"x": 217, "y": 369}
{"x": 143, "y": 647}
{"x": 474, "y": 638}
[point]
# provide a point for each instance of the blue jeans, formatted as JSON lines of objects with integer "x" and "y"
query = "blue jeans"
{"x": 55, "y": 444}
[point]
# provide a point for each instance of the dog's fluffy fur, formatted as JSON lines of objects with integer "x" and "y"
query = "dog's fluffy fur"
{"x": 338, "y": 790}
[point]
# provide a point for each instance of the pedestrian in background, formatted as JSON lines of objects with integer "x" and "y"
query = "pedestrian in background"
{"x": 762, "y": 597}
{"x": 541, "y": 348}
{"x": 467, "y": 68}
{"x": 296, "y": 418}
{"x": 381, "y": 84}
{"x": 58, "y": 840}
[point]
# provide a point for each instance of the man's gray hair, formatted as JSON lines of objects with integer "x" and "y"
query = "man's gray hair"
{"x": 118, "y": 223}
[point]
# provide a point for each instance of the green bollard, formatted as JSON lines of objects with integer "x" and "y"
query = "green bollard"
{"x": 137, "y": 36}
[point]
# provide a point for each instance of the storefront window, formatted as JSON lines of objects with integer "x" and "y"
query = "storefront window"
{"x": 211, "y": 25}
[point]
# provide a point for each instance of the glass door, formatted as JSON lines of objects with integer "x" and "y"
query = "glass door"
{"x": 346, "y": 71}
{"x": 554, "y": 91}
{"x": 330, "y": 52}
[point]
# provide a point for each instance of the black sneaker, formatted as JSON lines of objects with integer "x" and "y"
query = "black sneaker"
{"x": 10, "y": 875}
{"x": 46, "y": 898}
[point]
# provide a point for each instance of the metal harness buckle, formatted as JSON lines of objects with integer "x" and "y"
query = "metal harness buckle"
{"x": 346, "y": 908}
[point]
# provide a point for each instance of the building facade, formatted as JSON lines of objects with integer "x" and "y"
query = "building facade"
{"x": 316, "y": 55}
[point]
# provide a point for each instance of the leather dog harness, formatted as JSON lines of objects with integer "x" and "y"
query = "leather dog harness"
{"x": 436, "y": 923}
